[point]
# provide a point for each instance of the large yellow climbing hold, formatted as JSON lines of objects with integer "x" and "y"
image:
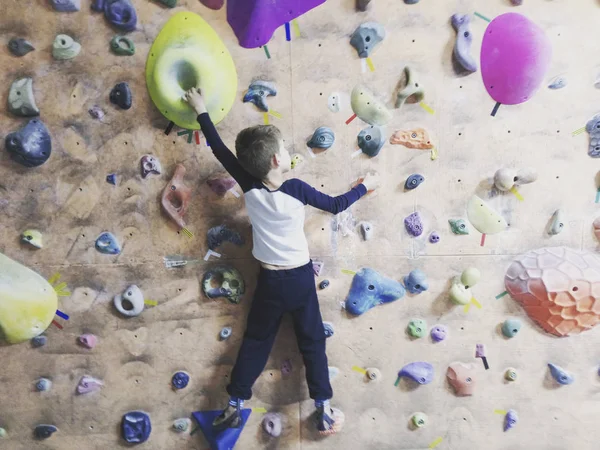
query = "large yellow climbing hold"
{"x": 188, "y": 53}
{"x": 28, "y": 302}
{"x": 484, "y": 218}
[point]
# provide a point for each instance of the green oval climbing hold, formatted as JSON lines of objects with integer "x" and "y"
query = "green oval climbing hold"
{"x": 419, "y": 419}
{"x": 122, "y": 45}
{"x": 458, "y": 226}
{"x": 510, "y": 374}
{"x": 417, "y": 328}
{"x": 3, "y": 433}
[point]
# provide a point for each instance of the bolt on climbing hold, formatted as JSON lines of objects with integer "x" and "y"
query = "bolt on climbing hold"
{"x": 122, "y": 46}
{"x": 485, "y": 219}
{"x": 420, "y": 372}
{"x": 222, "y": 233}
{"x": 362, "y": 5}
{"x": 150, "y": 165}
{"x": 39, "y": 341}
{"x": 371, "y": 139}
{"x": 462, "y": 378}
{"x": 413, "y": 224}
{"x": 44, "y": 431}
{"x": 458, "y": 226}
{"x": 108, "y": 244}
{"x": 417, "y": 328}
{"x": 20, "y": 46}
{"x": 130, "y": 302}
{"x": 560, "y": 375}
{"x": 462, "y": 47}
{"x": 323, "y": 137}
{"x": 373, "y": 374}
{"x": 66, "y": 5}
{"x": 257, "y": 93}
{"x": 121, "y": 96}
{"x": 88, "y": 385}
{"x": 272, "y": 424}
{"x": 366, "y": 230}
{"x": 43, "y": 385}
{"x": 296, "y": 160}
{"x": 366, "y": 37}
{"x": 96, "y": 112}
{"x": 510, "y": 374}
{"x": 557, "y": 83}
{"x": 419, "y": 419}
{"x": 111, "y": 178}
{"x": 593, "y": 129}
{"x": 225, "y": 333}
{"x": 369, "y": 289}
{"x": 230, "y": 282}
{"x": 120, "y": 13}
{"x": 324, "y": 284}
{"x": 31, "y": 146}
{"x": 180, "y": 380}
{"x": 220, "y": 185}
{"x": 510, "y": 419}
{"x": 176, "y": 198}
{"x": 182, "y": 425}
{"x": 434, "y": 237}
{"x": 33, "y": 238}
{"x": 65, "y": 47}
{"x": 136, "y": 427}
{"x": 329, "y": 330}
{"x": 470, "y": 277}
{"x": 460, "y": 294}
{"x": 369, "y": 108}
{"x": 511, "y": 327}
{"x": 413, "y": 181}
{"x": 416, "y": 282}
{"x": 417, "y": 138}
{"x": 557, "y": 223}
{"x": 21, "y": 100}
{"x": 505, "y": 179}
{"x": 88, "y": 340}
{"x": 169, "y": 3}
{"x": 3, "y": 433}
{"x": 438, "y": 333}
{"x": 410, "y": 90}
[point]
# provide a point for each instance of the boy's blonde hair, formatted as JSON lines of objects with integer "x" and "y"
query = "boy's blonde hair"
{"x": 255, "y": 147}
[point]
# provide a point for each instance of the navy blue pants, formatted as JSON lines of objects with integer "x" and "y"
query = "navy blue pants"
{"x": 278, "y": 292}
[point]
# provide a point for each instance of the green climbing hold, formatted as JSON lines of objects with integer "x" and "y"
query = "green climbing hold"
{"x": 417, "y": 328}
{"x": 3, "y": 433}
{"x": 419, "y": 419}
{"x": 64, "y": 47}
{"x": 169, "y": 3}
{"x": 122, "y": 45}
{"x": 458, "y": 226}
{"x": 511, "y": 375}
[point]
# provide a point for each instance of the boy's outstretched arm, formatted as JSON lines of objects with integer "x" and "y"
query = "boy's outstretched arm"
{"x": 219, "y": 149}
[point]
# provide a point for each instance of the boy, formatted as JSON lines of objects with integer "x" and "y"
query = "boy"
{"x": 286, "y": 280}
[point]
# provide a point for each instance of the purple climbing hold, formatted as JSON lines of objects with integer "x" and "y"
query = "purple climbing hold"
{"x": 88, "y": 385}
{"x": 180, "y": 380}
{"x": 221, "y": 185}
{"x": 516, "y": 2}
{"x": 413, "y": 224}
{"x": 439, "y": 333}
{"x": 136, "y": 427}
{"x": 98, "y": 5}
{"x": 111, "y": 178}
{"x": 254, "y": 21}
{"x": 510, "y": 419}
{"x": 420, "y": 372}
{"x": 120, "y": 13}
{"x": 369, "y": 289}
{"x": 434, "y": 237}
{"x": 66, "y": 5}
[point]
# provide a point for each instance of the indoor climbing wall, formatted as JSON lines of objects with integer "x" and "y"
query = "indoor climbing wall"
{"x": 92, "y": 184}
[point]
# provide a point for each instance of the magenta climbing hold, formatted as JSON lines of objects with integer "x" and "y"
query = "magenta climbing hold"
{"x": 88, "y": 385}
{"x": 88, "y": 340}
{"x": 515, "y": 55}
{"x": 254, "y": 21}
{"x": 413, "y": 224}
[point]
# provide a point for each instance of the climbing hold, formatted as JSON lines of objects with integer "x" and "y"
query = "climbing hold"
{"x": 257, "y": 93}
{"x": 419, "y": 419}
{"x": 434, "y": 237}
{"x": 231, "y": 285}
{"x": 39, "y": 341}
{"x": 558, "y": 83}
{"x": 366, "y": 37}
{"x": 225, "y": 333}
{"x": 366, "y": 230}
{"x": 131, "y": 302}
{"x": 136, "y": 427}
{"x": 329, "y": 331}
{"x": 416, "y": 282}
{"x": 98, "y": 5}
{"x": 221, "y": 185}
{"x": 417, "y": 328}
{"x": 222, "y": 233}
{"x": 371, "y": 140}
{"x": 188, "y": 53}
{"x": 168, "y": 3}
{"x": 510, "y": 419}
{"x": 121, "y": 96}
{"x": 220, "y": 440}
{"x": 333, "y": 102}
{"x": 64, "y": 47}
{"x": 43, "y": 385}
{"x": 593, "y": 128}
{"x": 515, "y": 55}
{"x": 323, "y": 137}
{"x": 411, "y": 2}
{"x": 120, "y": 13}
{"x": 31, "y": 146}
{"x": 560, "y": 375}
{"x": 176, "y": 197}
{"x": 182, "y": 425}
{"x": 516, "y": 2}
{"x": 213, "y": 4}
{"x": 439, "y": 333}
{"x": 180, "y": 380}
{"x": 596, "y": 227}
{"x": 88, "y": 340}
{"x": 111, "y": 178}
{"x": 558, "y": 288}
{"x": 3, "y": 433}
{"x": 96, "y": 112}
{"x": 462, "y": 378}
{"x": 367, "y": 107}
{"x": 44, "y": 431}
{"x": 150, "y": 165}
{"x": 409, "y": 89}
{"x": 458, "y": 226}
{"x": 324, "y": 284}
{"x": 420, "y": 372}
{"x": 272, "y": 424}
{"x": 286, "y": 367}
{"x": 526, "y": 176}
{"x": 28, "y": 302}
{"x": 373, "y": 374}
{"x": 470, "y": 277}
{"x": 21, "y": 101}
{"x": 362, "y": 5}
{"x": 32, "y": 237}
{"x": 510, "y": 327}
{"x": 413, "y": 224}
{"x": 88, "y": 385}
{"x": 20, "y": 46}
{"x": 122, "y": 45}
{"x": 66, "y": 5}
{"x": 296, "y": 160}
{"x": 462, "y": 47}
{"x": 557, "y": 223}
{"x": 417, "y": 138}
{"x": 369, "y": 289}
{"x": 413, "y": 181}
{"x": 459, "y": 293}
{"x": 504, "y": 179}
{"x": 510, "y": 375}
{"x": 483, "y": 217}
{"x": 108, "y": 244}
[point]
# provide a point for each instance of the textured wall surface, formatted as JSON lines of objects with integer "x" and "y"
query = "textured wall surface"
{"x": 69, "y": 200}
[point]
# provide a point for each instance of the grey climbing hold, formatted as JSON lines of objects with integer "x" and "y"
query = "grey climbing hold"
{"x": 438, "y": 333}
{"x": 272, "y": 424}
{"x": 462, "y": 47}
{"x": 31, "y": 146}
{"x": 66, "y": 5}
{"x": 409, "y": 88}
{"x": 130, "y": 302}
{"x": 371, "y": 140}
{"x": 511, "y": 327}
{"x": 20, "y": 46}
{"x": 420, "y": 372}
{"x": 510, "y": 419}
{"x": 324, "y": 284}
{"x": 121, "y": 95}
{"x": 366, "y": 230}
{"x": 33, "y": 238}
{"x": 416, "y": 282}
{"x": 39, "y": 341}
{"x": 21, "y": 100}
{"x": 225, "y": 333}
{"x": 366, "y": 37}
{"x": 150, "y": 165}
{"x": 413, "y": 181}
{"x": 329, "y": 331}
{"x": 65, "y": 47}
{"x": 458, "y": 226}
{"x": 122, "y": 46}
{"x": 557, "y": 224}
{"x": 557, "y": 83}
{"x": 413, "y": 224}
{"x": 560, "y": 375}
{"x": 44, "y": 431}
{"x": 96, "y": 112}
{"x": 516, "y": 2}
{"x": 3, "y": 433}
{"x": 593, "y": 128}
{"x": 182, "y": 425}
{"x": 323, "y": 137}
{"x": 332, "y": 372}
{"x": 108, "y": 244}
{"x": 362, "y": 5}
{"x": 43, "y": 385}
{"x": 258, "y": 91}
{"x": 411, "y": 2}
{"x": 434, "y": 237}
{"x": 222, "y": 233}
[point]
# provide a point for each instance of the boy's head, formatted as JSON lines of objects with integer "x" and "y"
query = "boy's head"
{"x": 260, "y": 149}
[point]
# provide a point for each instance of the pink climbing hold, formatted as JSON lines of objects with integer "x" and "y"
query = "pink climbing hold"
{"x": 88, "y": 340}
{"x": 213, "y": 4}
{"x": 254, "y": 21}
{"x": 515, "y": 55}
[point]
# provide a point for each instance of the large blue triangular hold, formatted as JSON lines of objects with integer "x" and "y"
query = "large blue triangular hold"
{"x": 225, "y": 440}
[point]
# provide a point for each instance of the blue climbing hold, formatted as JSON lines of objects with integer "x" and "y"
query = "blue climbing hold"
{"x": 39, "y": 341}
{"x": 257, "y": 93}
{"x": 180, "y": 380}
{"x": 560, "y": 375}
{"x": 420, "y": 372}
{"x": 108, "y": 244}
{"x": 98, "y": 5}
{"x": 413, "y": 181}
{"x": 369, "y": 289}
{"x": 323, "y": 137}
{"x": 136, "y": 427}
{"x": 416, "y": 282}
{"x": 221, "y": 233}
{"x": 43, "y": 385}
{"x": 329, "y": 331}
{"x": 510, "y": 419}
{"x": 111, "y": 179}
{"x": 31, "y": 146}
{"x": 224, "y": 440}
{"x": 121, "y": 14}
{"x": 324, "y": 284}
{"x": 44, "y": 431}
